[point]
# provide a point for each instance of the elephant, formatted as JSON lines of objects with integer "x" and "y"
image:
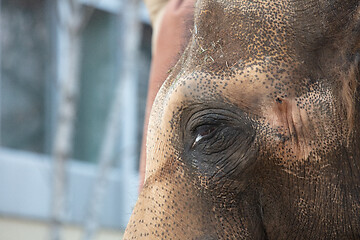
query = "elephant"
{"x": 255, "y": 134}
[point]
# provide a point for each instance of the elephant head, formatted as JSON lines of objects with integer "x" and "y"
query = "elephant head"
{"x": 256, "y": 132}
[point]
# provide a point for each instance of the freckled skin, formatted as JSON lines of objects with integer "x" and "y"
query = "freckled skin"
{"x": 255, "y": 134}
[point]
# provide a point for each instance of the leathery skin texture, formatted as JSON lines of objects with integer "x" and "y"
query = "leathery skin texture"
{"x": 255, "y": 133}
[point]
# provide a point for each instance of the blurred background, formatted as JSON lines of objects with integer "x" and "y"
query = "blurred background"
{"x": 73, "y": 84}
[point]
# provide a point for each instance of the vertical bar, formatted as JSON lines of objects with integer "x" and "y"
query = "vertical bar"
{"x": 50, "y": 91}
{"x": 69, "y": 50}
{"x": 0, "y": 74}
{"x": 131, "y": 45}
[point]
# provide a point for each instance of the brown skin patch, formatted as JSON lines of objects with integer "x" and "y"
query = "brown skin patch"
{"x": 249, "y": 137}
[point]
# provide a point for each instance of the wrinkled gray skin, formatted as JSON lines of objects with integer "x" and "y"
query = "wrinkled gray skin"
{"x": 255, "y": 135}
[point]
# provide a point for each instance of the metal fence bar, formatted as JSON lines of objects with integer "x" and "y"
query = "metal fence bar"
{"x": 128, "y": 164}
{"x": 0, "y": 72}
{"x": 69, "y": 23}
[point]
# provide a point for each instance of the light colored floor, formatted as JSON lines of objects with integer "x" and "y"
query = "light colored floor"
{"x": 19, "y": 229}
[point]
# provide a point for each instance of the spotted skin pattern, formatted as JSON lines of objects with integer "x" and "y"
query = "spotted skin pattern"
{"x": 255, "y": 134}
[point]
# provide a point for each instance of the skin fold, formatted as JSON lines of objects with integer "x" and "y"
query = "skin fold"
{"x": 171, "y": 32}
{"x": 255, "y": 133}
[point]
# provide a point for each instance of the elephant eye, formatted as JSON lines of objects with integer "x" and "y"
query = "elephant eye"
{"x": 212, "y": 131}
{"x": 203, "y": 131}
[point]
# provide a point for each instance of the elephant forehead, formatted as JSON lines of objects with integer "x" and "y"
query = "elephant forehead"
{"x": 243, "y": 28}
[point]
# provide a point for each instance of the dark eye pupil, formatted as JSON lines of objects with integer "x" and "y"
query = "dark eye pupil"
{"x": 202, "y": 132}
{"x": 205, "y": 130}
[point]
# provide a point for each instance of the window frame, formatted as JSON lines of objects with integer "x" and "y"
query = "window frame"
{"x": 25, "y": 177}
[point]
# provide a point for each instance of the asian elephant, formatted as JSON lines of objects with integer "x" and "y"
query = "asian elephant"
{"x": 256, "y": 132}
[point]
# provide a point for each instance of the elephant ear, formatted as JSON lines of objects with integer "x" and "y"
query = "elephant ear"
{"x": 347, "y": 36}
{"x": 329, "y": 31}
{"x": 351, "y": 31}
